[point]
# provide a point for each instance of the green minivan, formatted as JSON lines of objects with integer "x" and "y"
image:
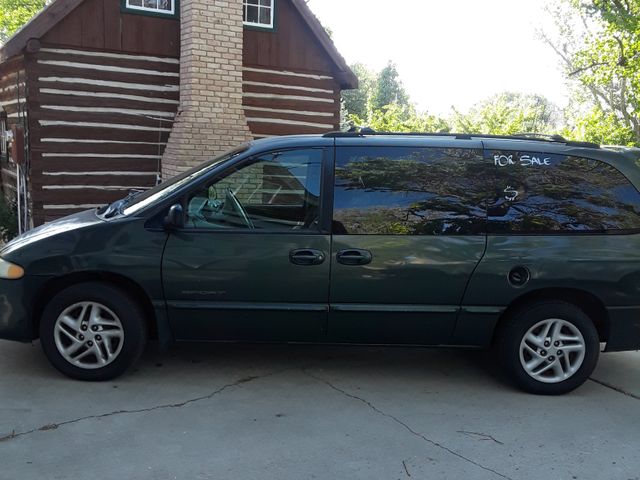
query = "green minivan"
{"x": 527, "y": 244}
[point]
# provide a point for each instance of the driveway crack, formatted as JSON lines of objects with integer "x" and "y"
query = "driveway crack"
{"x": 54, "y": 426}
{"x": 406, "y": 426}
{"x": 480, "y": 436}
{"x": 614, "y": 388}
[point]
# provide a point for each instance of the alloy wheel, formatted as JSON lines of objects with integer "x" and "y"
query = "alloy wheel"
{"x": 88, "y": 335}
{"x": 552, "y": 350}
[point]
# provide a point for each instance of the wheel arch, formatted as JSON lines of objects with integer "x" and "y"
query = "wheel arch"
{"x": 128, "y": 286}
{"x": 589, "y": 303}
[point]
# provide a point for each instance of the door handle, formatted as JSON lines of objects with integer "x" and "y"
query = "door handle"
{"x": 354, "y": 256}
{"x": 306, "y": 256}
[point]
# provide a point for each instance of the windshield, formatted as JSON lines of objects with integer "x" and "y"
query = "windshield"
{"x": 135, "y": 203}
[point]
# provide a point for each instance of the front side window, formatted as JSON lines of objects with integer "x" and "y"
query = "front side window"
{"x": 546, "y": 193}
{"x": 410, "y": 191}
{"x": 259, "y": 13}
{"x": 162, "y": 7}
{"x": 157, "y": 194}
{"x": 278, "y": 191}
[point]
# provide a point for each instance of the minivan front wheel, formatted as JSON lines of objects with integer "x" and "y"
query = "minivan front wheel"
{"x": 549, "y": 347}
{"x": 92, "y": 331}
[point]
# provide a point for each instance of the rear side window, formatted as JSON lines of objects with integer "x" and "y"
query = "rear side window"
{"x": 410, "y": 191}
{"x": 541, "y": 193}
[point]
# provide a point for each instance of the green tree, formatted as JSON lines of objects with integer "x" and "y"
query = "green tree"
{"x": 356, "y": 102}
{"x": 15, "y": 13}
{"x": 376, "y": 90}
{"x": 382, "y": 103}
{"x": 598, "y": 43}
{"x": 388, "y": 89}
{"x": 509, "y": 113}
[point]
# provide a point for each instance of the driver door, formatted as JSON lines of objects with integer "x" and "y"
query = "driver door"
{"x": 252, "y": 261}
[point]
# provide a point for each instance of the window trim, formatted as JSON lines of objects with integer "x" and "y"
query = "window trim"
{"x": 325, "y": 214}
{"x": 261, "y": 26}
{"x": 126, "y": 8}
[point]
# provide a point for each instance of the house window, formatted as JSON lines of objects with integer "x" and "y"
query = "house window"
{"x": 160, "y": 7}
{"x": 259, "y": 13}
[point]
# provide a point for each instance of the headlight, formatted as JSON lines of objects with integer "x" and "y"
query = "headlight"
{"x": 10, "y": 271}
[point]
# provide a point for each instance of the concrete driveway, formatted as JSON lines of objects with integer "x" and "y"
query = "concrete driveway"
{"x": 294, "y": 412}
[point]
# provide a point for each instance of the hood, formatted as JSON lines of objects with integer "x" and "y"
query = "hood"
{"x": 66, "y": 224}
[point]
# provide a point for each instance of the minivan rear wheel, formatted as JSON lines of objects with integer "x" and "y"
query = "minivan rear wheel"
{"x": 549, "y": 347}
{"x": 92, "y": 331}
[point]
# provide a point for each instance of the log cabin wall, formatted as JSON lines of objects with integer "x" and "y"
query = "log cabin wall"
{"x": 103, "y": 92}
{"x": 13, "y": 111}
{"x": 103, "y": 89}
{"x": 288, "y": 81}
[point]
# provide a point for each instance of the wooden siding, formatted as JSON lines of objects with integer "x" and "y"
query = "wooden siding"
{"x": 291, "y": 46}
{"x": 288, "y": 82}
{"x": 99, "y": 24}
{"x": 99, "y": 125}
{"x": 13, "y": 102}
{"x": 280, "y": 102}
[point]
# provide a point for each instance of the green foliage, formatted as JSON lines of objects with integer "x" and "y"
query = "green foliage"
{"x": 15, "y": 13}
{"x": 376, "y": 91}
{"x": 356, "y": 102}
{"x": 598, "y": 41}
{"x": 507, "y": 114}
{"x": 600, "y": 127}
{"x": 395, "y": 118}
{"x": 388, "y": 89}
{"x": 8, "y": 220}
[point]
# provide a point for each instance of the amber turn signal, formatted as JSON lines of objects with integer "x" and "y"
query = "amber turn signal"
{"x": 10, "y": 271}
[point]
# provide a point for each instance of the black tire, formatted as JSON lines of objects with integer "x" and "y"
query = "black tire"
{"x": 128, "y": 312}
{"x": 514, "y": 328}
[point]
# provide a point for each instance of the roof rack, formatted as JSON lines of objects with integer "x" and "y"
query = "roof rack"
{"x": 537, "y": 137}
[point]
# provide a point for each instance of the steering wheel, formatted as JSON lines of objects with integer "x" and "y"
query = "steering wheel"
{"x": 239, "y": 209}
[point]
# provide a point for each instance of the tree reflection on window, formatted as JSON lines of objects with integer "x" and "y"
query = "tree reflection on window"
{"x": 411, "y": 191}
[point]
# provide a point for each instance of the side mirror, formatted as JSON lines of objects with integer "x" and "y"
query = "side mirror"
{"x": 175, "y": 217}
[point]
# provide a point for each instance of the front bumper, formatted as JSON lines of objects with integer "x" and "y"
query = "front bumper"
{"x": 18, "y": 299}
{"x": 624, "y": 329}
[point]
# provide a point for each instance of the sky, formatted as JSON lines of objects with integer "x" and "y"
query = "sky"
{"x": 451, "y": 52}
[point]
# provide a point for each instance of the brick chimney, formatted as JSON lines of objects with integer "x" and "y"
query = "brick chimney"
{"x": 210, "y": 118}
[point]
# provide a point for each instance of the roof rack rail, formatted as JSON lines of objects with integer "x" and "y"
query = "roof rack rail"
{"x": 536, "y": 137}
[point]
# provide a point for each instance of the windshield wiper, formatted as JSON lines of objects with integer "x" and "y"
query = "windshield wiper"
{"x": 116, "y": 207}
